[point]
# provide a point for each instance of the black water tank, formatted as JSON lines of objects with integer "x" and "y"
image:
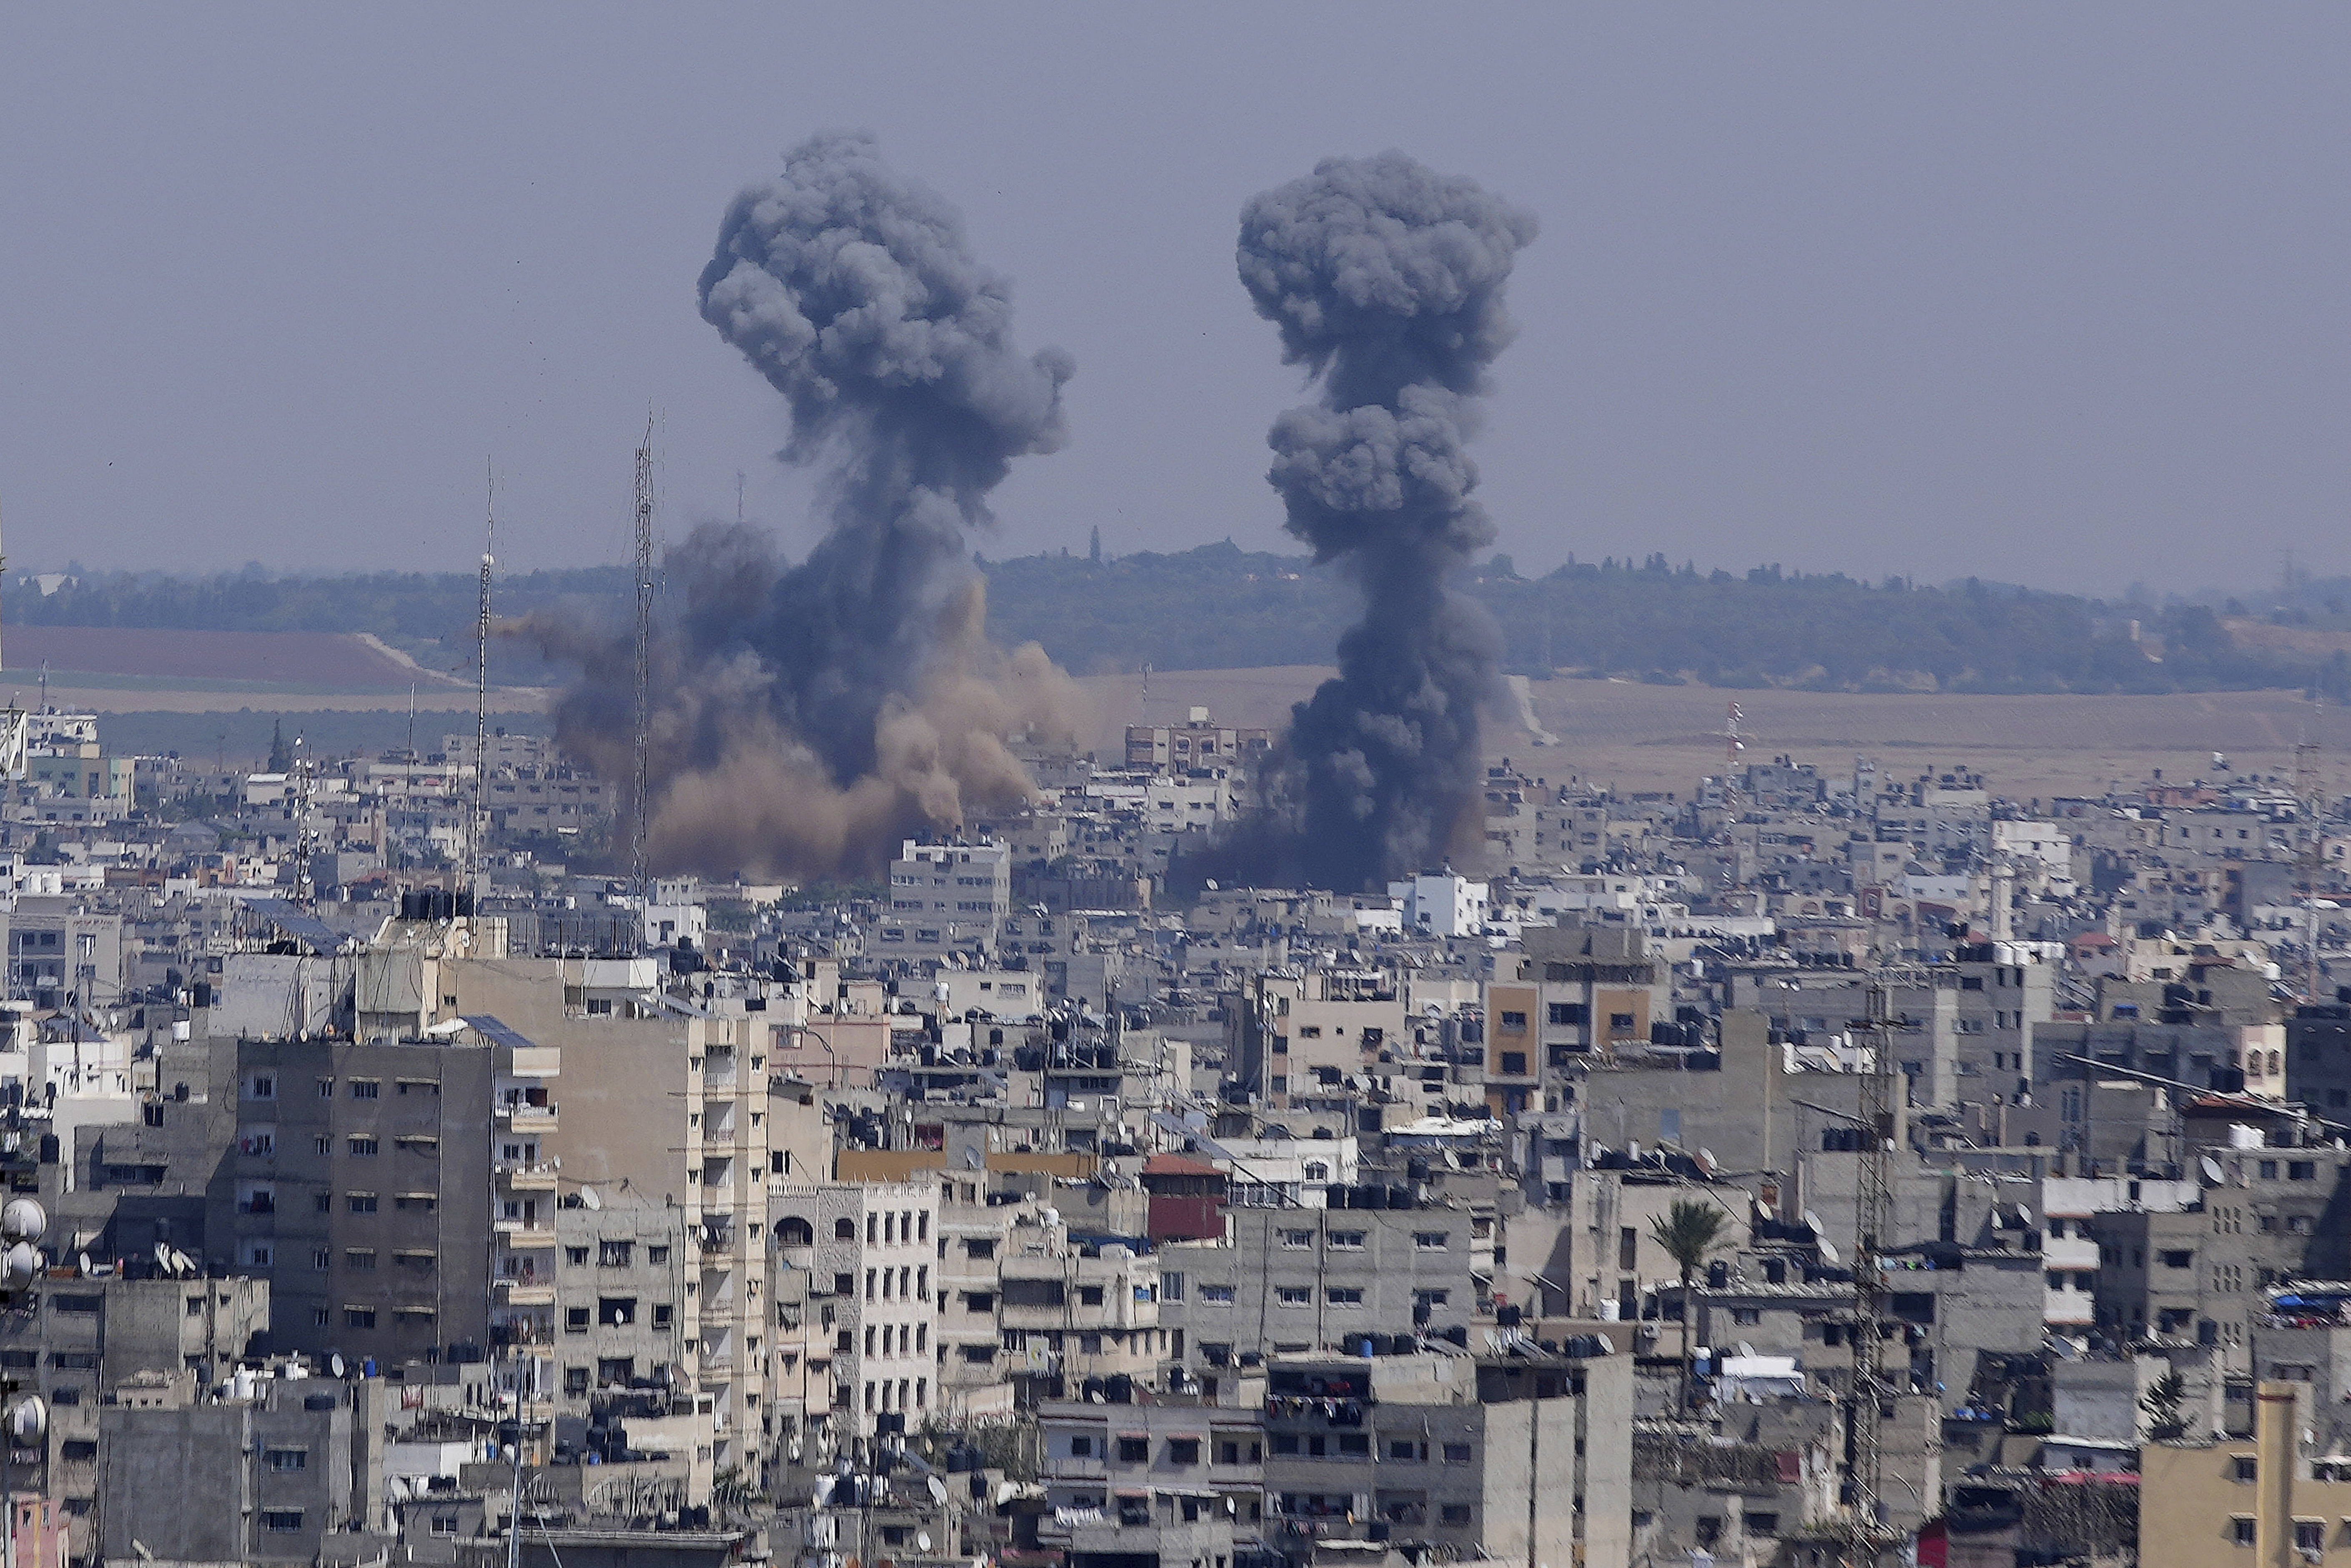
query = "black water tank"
{"x": 1458, "y": 1334}
{"x": 1415, "y": 1170}
{"x": 1399, "y": 1197}
{"x": 1718, "y": 1275}
{"x": 319, "y": 1402}
{"x": 1119, "y": 1389}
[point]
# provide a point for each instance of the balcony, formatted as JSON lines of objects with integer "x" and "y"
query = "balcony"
{"x": 524, "y": 1292}
{"x": 523, "y": 1233}
{"x": 522, "y": 1116}
{"x": 518, "y": 1176}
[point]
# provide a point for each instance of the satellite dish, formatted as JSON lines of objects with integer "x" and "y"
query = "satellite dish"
{"x": 1813, "y": 1222}
{"x": 1828, "y": 1252}
{"x": 335, "y": 1363}
{"x": 82, "y": 1263}
{"x": 23, "y": 1221}
{"x": 23, "y": 1264}
{"x": 187, "y": 1264}
{"x": 971, "y": 1160}
{"x": 939, "y": 1496}
{"x": 922, "y": 1537}
{"x": 1706, "y": 1161}
{"x": 2024, "y": 1213}
{"x": 588, "y": 1200}
{"x": 163, "y": 1257}
{"x": 2213, "y": 1172}
{"x": 28, "y": 1418}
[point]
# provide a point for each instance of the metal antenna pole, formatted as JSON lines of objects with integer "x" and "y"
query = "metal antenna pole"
{"x": 1872, "y": 1230}
{"x": 2310, "y": 790}
{"x": 643, "y": 735}
{"x": 482, "y": 697}
{"x": 15, "y": 727}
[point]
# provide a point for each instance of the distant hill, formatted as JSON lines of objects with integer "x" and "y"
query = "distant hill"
{"x": 1220, "y": 607}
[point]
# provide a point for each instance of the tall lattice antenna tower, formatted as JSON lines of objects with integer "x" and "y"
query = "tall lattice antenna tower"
{"x": 2310, "y": 856}
{"x": 482, "y": 699}
{"x": 16, "y": 729}
{"x": 643, "y": 739}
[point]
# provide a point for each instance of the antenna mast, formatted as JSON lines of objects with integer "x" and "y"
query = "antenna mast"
{"x": 482, "y": 696}
{"x": 643, "y": 739}
{"x": 14, "y": 728}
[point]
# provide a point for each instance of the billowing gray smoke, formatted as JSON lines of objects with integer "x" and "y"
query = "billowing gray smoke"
{"x": 852, "y": 291}
{"x": 1385, "y": 279}
{"x": 805, "y": 715}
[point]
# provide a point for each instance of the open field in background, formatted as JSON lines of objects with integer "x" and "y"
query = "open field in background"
{"x": 158, "y": 658}
{"x": 175, "y": 690}
{"x": 1640, "y": 736}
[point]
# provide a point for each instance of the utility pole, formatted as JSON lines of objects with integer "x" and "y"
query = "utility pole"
{"x": 643, "y": 738}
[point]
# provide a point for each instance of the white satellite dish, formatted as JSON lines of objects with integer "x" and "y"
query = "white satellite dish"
{"x": 23, "y": 1264}
{"x": 939, "y": 1496}
{"x": 923, "y": 1539}
{"x": 163, "y": 1257}
{"x": 187, "y": 1265}
{"x": 2024, "y": 1213}
{"x": 2213, "y": 1172}
{"x": 1706, "y": 1161}
{"x": 971, "y": 1159}
{"x": 1828, "y": 1252}
{"x": 28, "y": 1418}
{"x": 82, "y": 1263}
{"x": 335, "y": 1363}
{"x": 23, "y": 1221}
{"x": 588, "y": 1200}
{"x": 1813, "y": 1222}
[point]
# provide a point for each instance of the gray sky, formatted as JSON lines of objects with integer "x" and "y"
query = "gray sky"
{"x": 2048, "y": 294}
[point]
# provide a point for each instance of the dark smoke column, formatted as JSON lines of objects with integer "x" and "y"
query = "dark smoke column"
{"x": 1386, "y": 281}
{"x": 852, "y": 291}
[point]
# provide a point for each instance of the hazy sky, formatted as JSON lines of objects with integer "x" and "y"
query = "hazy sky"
{"x": 2044, "y": 293}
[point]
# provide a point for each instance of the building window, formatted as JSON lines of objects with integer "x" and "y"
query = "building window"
{"x": 281, "y": 1518}
{"x": 1430, "y": 1240}
{"x": 1456, "y": 1453}
{"x": 656, "y": 1256}
{"x": 285, "y": 1459}
{"x": 616, "y": 1311}
{"x": 1134, "y": 1450}
{"x": 614, "y": 1254}
{"x": 1344, "y": 1296}
{"x": 2240, "y": 1530}
{"x": 1457, "y": 1513}
{"x": 575, "y": 1320}
{"x": 363, "y": 1147}
{"x": 1293, "y": 1295}
{"x": 1297, "y": 1238}
{"x": 366, "y": 1089}
{"x": 362, "y": 1202}
{"x": 359, "y": 1317}
{"x": 576, "y": 1256}
{"x": 1217, "y": 1295}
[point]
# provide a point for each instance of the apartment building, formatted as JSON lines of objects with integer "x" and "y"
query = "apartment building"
{"x": 869, "y": 1251}
{"x": 377, "y": 1186}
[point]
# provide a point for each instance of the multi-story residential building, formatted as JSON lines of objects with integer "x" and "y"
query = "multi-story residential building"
{"x": 1303, "y": 1281}
{"x": 1474, "y": 1458}
{"x": 276, "y": 1473}
{"x": 950, "y": 897}
{"x": 1160, "y": 1485}
{"x": 378, "y": 1186}
{"x": 869, "y": 1251}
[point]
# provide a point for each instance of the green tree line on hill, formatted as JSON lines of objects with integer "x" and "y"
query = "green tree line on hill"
{"x": 1219, "y": 606}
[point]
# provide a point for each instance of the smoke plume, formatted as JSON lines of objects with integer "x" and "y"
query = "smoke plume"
{"x": 808, "y": 716}
{"x": 1386, "y": 281}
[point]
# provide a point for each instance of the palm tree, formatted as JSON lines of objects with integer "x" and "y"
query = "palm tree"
{"x": 1688, "y": 1232}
